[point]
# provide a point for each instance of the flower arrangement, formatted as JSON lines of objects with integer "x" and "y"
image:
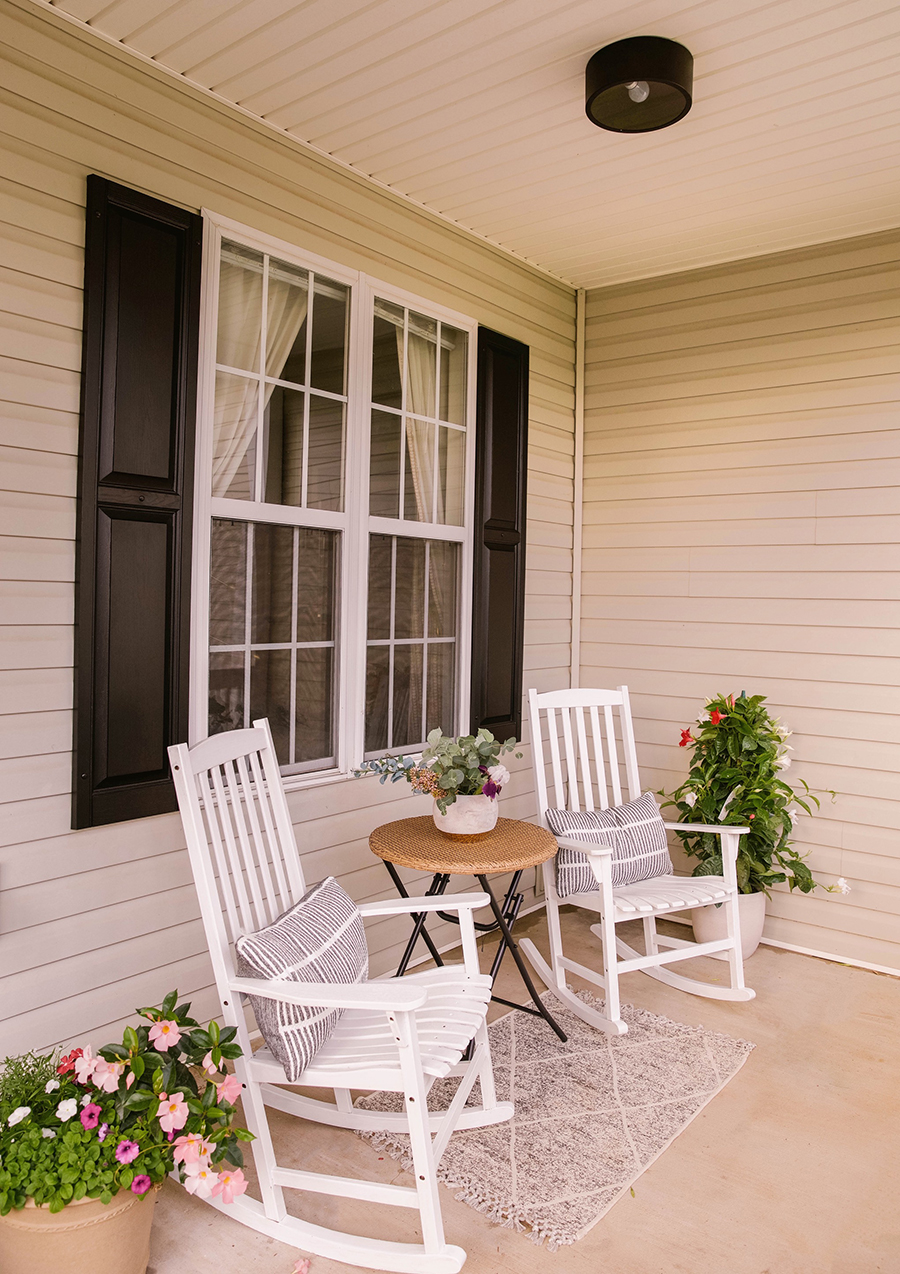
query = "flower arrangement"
{"x": 84, "y": 1125}
{"x": 740, "y": 755}
{"x": 449, "y": 767}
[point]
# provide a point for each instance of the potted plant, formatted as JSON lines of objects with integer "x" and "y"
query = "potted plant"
{"x": 86, "y": 1141}
{"x": 463, "y": 775}
{"x": 737, "y": 775}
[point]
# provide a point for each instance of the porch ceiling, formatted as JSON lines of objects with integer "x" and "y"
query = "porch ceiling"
{"x": 475, "y": 109}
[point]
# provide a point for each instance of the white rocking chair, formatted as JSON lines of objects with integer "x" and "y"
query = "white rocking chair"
{"x": 394, "y": 1034}
{"x": 584, "y": 777}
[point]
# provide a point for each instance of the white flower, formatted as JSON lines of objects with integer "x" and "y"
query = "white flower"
{"x": 784, "y": 763}
{"x": 690, "y": 798}
{"x": 703, "y": 718}
{"x": 48, "y": 1133}
{"x": 66, "y": 1109}
{"x": 842, "y": 886}
{"x": 87, "y": 1099}
{"x": 51, "y": 1086}
{"x": 20, "y": 1113}
{"x": 499, "y": 774}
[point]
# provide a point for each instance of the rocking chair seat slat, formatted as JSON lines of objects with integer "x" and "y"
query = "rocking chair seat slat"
{"x": 669, "y": 893}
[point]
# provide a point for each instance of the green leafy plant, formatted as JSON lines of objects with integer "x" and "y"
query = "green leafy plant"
{"x": 737, "y": 775}
{"x": 91, "y": 1125}
{"x": 449, "y": 767}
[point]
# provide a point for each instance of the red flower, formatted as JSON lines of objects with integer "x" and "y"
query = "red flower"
{"x": 716, "y": 716}
{"x": 68, "y": 1063}
{"x": 686, "y": 738}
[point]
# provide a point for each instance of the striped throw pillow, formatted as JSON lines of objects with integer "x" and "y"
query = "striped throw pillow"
{"x": 320, "y": 939}
{"x": 636, "y": 833}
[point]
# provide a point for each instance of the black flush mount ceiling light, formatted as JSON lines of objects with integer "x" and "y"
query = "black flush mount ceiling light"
{"x": 639, "y": 85}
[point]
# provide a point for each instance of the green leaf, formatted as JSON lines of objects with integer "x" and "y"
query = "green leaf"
{"x": 169, "y": 1003}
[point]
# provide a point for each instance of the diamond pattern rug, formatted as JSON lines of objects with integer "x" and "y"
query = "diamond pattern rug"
{"x": 591, "y": 1115}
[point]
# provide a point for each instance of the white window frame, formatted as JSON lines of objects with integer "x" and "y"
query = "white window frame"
{"x": 354, "y": 523}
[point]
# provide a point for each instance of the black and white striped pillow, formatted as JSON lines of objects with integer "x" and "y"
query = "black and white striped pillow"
{"x": 636, "y": 833}
{"x": 320, "y": 939}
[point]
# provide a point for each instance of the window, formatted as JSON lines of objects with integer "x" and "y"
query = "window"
{"x": 334, "y": 507}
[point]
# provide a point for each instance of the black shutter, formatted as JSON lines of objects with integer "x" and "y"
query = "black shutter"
{"x": 498, "y": 627}
{"x": 132, "y": 575}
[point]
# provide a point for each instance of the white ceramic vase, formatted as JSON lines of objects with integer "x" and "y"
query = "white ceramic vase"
{"x": 709, "y": 922}
{"x": 467, "y": 817}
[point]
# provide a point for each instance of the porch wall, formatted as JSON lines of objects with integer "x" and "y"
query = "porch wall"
{"x": 97, "y": 921}
{"x": 742, "y": 518}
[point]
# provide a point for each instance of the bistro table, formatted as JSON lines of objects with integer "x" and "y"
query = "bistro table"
{"x": 511, "y": 846}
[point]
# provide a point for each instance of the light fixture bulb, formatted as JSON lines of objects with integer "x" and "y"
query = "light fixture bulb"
{"x": 638, "y": 90}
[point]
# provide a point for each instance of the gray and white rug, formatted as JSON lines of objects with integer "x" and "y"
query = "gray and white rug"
{"x": 591, "y": 1115}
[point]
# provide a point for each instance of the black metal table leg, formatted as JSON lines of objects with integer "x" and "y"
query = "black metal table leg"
{"x": 511, "y": 943}
{"x": 439, "y": 884}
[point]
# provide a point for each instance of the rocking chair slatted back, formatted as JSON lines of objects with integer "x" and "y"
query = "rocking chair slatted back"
{"x": 586, "y": 771}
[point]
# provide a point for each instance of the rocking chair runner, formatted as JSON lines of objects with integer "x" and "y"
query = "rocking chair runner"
{"x": 394, "y": 1035}
{"x": 585, "y": 775}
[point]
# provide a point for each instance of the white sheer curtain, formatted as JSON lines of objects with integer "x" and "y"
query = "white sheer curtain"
{"x": 421, "y": 439}
{"x": 237, "y": 397}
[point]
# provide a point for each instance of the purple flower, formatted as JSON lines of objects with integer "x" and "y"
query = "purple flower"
{"x": 104, "y": 1129}
{"x": 141, "y": 1184}
{"x": 490, "y": 789}
{"x": 90, "y": 1116}
{"x": 127, "y": 1151}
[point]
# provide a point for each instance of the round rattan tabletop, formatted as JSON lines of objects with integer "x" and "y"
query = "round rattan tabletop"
{"x": 417, "y": 843}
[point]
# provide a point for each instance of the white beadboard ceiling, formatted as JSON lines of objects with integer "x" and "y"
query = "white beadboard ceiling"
{"x": 476, "y": 110}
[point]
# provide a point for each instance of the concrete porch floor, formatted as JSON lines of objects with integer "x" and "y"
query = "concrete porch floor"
{"x": 792, "y": 1169}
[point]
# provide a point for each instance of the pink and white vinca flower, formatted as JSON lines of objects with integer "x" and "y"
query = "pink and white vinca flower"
{"x": 229, "y": 1090}
{"x": 209, "y": 1066}
{"x": 164, "y": 1034}
{"x": 230, "y": 1184}
{"x": 173, "y": 1112}
{"x": 85, "y": 1065}
{"x": 192, "y": 1148}
{"x": 199, "y": 1179}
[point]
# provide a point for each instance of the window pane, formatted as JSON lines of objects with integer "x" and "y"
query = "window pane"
{"x": 329, "y": 336}
{"x": 421, "y": 357}
{"x": 454, "y": 346}
{"x": 317, "y": 553}
{"x": 387, "y": 354}
{"x": 443, "y": 586}
{"x": 325, "y": 459}
{"x": 234, "y": 436}
{"x": 227, "y": 583}
{"x": 418, "y": 495}
{"x": 380, "y": 552}
{"x": 407, "y": 726}
{"x": 240, "y": 307}
{"x": 273, "y": 565}
{"x": 409, "y": 589}
{"x": 226, "y": 692}
{"x": 286, "y": 322}
{"x": 270, "y": 696}
{"x": 377, "y": 688}
{"x": 451, "y": 476}
{"x": 315, "y": 698}
{"x": 384, "y": 466}
{"x": 441, "y": 687}
{"x": 283, "y": 433}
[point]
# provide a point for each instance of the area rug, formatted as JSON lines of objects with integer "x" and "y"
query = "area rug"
{"x": 591, "y": 1115}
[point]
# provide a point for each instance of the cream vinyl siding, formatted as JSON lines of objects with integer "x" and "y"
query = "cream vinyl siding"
{"x": 741, "y": 529}
{"x": 97, "y": 921}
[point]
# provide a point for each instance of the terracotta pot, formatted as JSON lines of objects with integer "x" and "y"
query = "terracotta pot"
{"x": 87, "y": 1237}
{"x": 709, "y": 922}
{"x": 468, "y": 818}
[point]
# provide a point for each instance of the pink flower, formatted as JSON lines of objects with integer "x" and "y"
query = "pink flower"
{"x": 102, "y": 1132}
{"x": 199, "y": 1179}
{"x": 302, "y": 1266}
{"x": 173, "y": 1112}
{"x": 209, "y": 1066}
{"x": 164, "y": 1034}
{"x": 229, "y": 1090}
{"x": 127, "y": 1151}
{"x": 106, "y": 1075}
{"x": 191, "y": 1149}
{"x": 85, "y": 1065}
{"x": 90, "y": 1116}
{"x": 230, "y": 1184}
{"x": 141, "y": 1184}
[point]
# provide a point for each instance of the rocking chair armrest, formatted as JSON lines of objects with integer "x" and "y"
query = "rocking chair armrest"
{"x": 391, "y": 994}
{"x": 714, "y": 829}
{"x": 590, "y": 848}
{"x": 438, "y": 902}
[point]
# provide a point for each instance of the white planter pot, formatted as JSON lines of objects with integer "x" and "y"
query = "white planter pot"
{"x": 709, "y": 922}
{"x": 468, "y": 817}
